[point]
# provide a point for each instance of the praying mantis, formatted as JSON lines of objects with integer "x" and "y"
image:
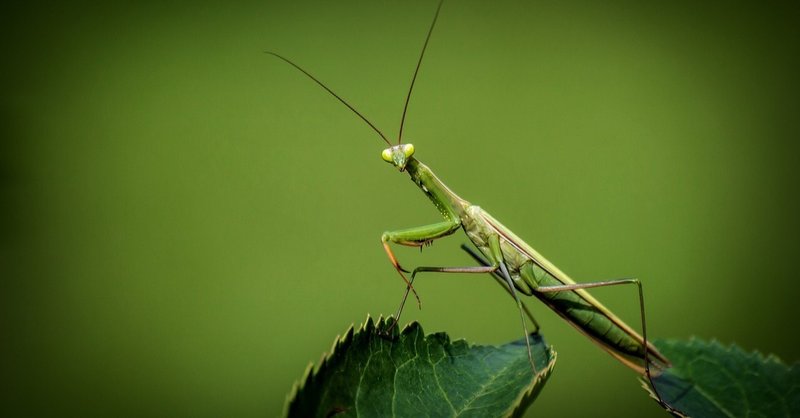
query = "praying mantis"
{"x": 519, "y": 268}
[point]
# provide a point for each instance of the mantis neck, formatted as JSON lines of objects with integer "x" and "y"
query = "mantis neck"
{"x": 449, "y": 204}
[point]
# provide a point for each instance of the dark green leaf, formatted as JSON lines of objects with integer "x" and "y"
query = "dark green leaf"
{"x": 709, "y": 380}
{"x": 410, "y": 374}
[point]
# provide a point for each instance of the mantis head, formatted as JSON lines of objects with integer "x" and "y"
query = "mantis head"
{"x": 398, "y": 155}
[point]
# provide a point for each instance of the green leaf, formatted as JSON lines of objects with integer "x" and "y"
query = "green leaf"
{"x": 709, "y": 380}
{"x": 410, "y": 374}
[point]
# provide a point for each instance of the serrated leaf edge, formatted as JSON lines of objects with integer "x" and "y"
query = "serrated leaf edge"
{"x": 764, "y": 358}
{"x": 540, "y": 378}
{"x": 338, "y": 342}
{"x": 341, "y": 340}
{"x": 695, "y": 341}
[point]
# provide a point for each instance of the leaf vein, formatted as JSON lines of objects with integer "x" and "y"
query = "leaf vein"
{"x": 482, "y": 388}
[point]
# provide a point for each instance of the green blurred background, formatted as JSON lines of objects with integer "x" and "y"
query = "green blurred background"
{"x": 187, "y": 222}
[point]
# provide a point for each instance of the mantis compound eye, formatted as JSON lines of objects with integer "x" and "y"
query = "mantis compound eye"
{"x": 387, "y": 155}
{"x": 408, "y": 150}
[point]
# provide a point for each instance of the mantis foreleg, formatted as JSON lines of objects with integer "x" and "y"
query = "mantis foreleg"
{"x": 416, "y": 237}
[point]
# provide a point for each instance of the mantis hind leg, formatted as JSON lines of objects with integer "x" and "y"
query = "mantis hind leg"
{"x": 646, "y": 345}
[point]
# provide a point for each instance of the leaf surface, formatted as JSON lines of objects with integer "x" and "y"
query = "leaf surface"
{"x": 708, "y": 379}
{"x": 410, "y": 374}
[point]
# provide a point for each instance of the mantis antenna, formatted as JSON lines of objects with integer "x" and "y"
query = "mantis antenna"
{"x": 408, "y": 96}
{"x": 416, "y": 70}
{"x": 332, "y": 93}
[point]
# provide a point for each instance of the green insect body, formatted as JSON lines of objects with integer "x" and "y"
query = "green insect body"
{"x": 513, "y": 263}
{"x": 528, "y": 269}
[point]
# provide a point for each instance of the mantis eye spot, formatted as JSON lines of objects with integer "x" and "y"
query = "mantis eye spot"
{"x": 408, "y": 150}
{"x": 387, "y": 155}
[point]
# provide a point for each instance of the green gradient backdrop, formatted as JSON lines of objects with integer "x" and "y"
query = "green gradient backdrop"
{"x": 187, "y": 222}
